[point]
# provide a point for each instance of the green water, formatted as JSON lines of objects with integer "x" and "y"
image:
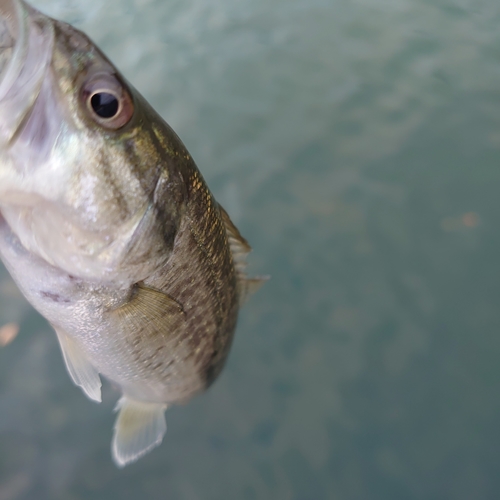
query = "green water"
{"x": 356, "y": 144}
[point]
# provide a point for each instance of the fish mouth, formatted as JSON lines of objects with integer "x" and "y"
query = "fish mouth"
{"x": 26, "y": 44}
{"x": 13, "y": 31}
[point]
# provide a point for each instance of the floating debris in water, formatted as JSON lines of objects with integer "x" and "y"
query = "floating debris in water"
{"x": 8, "y": 333}
{"x": 467, "y": 220}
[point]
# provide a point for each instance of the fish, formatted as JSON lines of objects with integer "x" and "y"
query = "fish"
{"x": 109, "y": 229}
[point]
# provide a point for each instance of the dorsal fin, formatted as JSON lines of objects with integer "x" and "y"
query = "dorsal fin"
{"x": 240, "y": 249}
{"x": 251, "y": 285}
{"x": 239, "y": 246}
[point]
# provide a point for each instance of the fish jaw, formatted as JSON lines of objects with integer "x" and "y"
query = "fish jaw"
{"x": 26, "y": 46}
{"x": 30, "y": 118}
{"x": 38, "y": 144}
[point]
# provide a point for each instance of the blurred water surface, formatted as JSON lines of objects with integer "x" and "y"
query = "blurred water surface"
{"x": 356, "y": 144}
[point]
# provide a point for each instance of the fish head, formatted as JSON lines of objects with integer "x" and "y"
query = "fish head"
{"x": 82, "y": 163}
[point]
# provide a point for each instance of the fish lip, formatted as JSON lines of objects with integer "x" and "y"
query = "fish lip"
{"x": 13, "y": 36}
{"x": 31, "y": 43}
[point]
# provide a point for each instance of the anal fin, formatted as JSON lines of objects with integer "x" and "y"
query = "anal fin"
{"x": 139, "y": 428}
{"x": 79, "y": 367}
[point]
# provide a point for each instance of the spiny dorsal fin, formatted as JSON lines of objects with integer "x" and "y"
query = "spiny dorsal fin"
{"x": 150, "y": 312}
{"x": 239, "y": 246}
{"x": 240, "y": 249}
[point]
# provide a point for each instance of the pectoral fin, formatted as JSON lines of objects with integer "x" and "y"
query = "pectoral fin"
{"x": 138, "y": 429}
{"x": 79, "y": 368}
{"x": 150, "y": 313}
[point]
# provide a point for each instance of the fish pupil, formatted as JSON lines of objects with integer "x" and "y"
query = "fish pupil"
{"x": 104, "y": 105}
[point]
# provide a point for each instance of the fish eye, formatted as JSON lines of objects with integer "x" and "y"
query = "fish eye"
{"x": 104, "y": 105}
{"x": 107, "y": 101}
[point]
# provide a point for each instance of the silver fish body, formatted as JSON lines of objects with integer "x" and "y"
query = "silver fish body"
{"x": 109, "y": 229}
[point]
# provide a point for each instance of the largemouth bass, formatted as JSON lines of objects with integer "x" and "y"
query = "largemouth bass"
{"x": 109, "y": 229}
